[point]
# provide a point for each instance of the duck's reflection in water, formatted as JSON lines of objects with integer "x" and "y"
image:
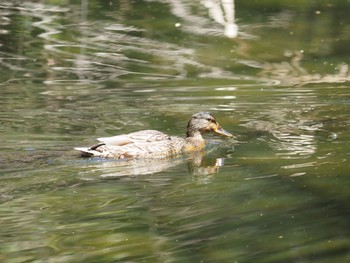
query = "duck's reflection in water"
{"x": 203, "y": 168}
{"x": 198, "y": 164}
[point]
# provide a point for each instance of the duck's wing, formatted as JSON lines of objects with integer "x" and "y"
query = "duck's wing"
{"x": 154, "y": 150}
{"x": 135, "y": 137}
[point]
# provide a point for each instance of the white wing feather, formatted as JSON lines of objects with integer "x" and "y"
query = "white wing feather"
{"x": 135, "y": 137}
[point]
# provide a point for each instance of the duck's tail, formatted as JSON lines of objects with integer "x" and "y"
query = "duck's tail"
{"x": 89, "y": 151}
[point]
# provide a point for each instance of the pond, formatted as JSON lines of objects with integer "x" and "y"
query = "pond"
{"x": 274, "y": 73}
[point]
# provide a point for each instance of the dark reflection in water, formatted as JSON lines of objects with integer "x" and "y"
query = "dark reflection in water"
{"x": 120, "y": 41}
{"x": 87, "y": 69}
{"x": 198, "y": 164}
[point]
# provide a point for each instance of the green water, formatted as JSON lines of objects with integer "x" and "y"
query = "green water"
{"x": 73, "y": 71}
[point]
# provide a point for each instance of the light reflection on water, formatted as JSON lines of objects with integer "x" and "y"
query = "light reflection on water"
{"x": 264, "y": 197}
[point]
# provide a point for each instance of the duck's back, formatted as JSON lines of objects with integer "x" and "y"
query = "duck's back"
{"x": 141, "y": 144}
{"x": 135, "y": 137}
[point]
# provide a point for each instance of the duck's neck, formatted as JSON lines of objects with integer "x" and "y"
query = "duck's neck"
{"x": 195, "y": 135}
{"x": 194, "y": 141}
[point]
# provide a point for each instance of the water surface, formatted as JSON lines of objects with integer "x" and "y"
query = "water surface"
{"x": 277, "y": 77}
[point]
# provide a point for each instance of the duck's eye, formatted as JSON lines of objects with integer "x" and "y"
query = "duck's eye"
{"x": 210, "y": 120}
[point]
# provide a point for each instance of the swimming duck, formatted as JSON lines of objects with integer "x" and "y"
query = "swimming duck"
{"x": 156, "y": 144}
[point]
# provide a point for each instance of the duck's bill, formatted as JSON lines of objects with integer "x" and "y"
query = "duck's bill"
{"x": 223, "y": 132}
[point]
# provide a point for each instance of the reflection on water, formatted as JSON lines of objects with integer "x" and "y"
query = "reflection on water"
{"x": 292, "y": 73}
{"x": 87, "y": 69}
{"x": 197, "y": 165}
{"x": 223, "y": 12}
{"x": 118, "y": 49}
{"x": 288, "y": 140}
{"x": 100, "y": 51}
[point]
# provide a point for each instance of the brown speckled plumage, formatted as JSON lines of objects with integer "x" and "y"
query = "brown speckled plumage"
{"x": 155, "y": 144}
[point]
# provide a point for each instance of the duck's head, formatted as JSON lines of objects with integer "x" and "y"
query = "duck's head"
{"x": 203, "y": 122}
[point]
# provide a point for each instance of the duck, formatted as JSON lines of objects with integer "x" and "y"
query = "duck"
{"x": 153, "y": 144}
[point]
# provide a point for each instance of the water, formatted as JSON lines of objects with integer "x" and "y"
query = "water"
{"x": 75, "y": 71}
